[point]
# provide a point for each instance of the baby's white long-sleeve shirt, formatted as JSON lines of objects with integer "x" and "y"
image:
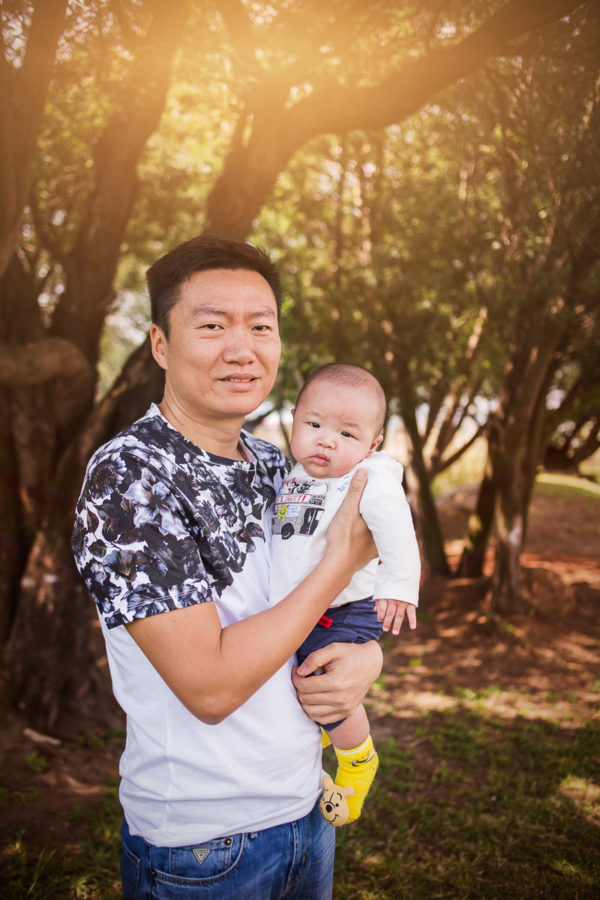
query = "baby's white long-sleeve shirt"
{"x": 304, "y": 509}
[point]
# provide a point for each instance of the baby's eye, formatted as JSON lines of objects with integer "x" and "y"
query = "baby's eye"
{"x": 313, "y": 424}
{"x": 346, "y": 434}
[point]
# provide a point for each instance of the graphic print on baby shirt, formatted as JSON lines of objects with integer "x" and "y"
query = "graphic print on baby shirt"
{"x": 298, "y": 506}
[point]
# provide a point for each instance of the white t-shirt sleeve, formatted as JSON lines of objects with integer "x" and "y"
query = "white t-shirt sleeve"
{"x": 385, "y": 509}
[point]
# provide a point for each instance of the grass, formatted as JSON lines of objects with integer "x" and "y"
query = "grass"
{"x": 479, "y": 807}
{"x": 86, "y": 871}
{"x": 548, "y": 482}
{"x": 468, "y": 469}
{"x": 472, "y": 806}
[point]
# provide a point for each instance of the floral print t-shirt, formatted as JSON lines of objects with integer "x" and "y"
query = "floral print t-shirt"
{"x": 161, "y": 524}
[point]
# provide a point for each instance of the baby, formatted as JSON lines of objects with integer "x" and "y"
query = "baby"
{"x": 338, "y": 425}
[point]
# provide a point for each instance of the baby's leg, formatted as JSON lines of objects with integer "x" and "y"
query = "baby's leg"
{"x": 357, "y": 758}
{"x": 352, "y": 731}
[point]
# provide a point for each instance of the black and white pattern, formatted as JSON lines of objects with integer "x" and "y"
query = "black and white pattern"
{"x": 162, "y": 524}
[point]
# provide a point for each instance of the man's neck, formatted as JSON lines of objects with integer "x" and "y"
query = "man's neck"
{"x": 220, "y": 437}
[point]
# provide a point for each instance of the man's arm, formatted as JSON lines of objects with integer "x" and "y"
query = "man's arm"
{"x": 214, "y": 670}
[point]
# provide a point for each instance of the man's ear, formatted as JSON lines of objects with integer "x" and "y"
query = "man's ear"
{"x": 158, "y": 343}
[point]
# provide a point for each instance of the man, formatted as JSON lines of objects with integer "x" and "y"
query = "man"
{"x": 221, "y": 771}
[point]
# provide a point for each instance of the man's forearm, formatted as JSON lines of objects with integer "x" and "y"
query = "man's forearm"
{"x": 252, "y": 650}
{"x": 214, "y": 670}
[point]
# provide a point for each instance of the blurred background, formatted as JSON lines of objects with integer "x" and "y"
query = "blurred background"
{"x": 427, "y": 177}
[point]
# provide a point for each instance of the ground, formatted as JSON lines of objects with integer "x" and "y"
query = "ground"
{"x": 549, "y": 651}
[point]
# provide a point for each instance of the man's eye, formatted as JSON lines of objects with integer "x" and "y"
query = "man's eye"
{"x": 211, "y": 326}
{"x": 262, "y": 329}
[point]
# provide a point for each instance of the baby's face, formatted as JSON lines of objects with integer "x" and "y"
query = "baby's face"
{"x": 335, "y": 427}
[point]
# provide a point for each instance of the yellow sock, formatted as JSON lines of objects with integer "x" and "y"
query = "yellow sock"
{"x": 357, "y": 768}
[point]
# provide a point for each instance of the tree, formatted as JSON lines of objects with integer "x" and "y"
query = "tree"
{"x": 548, "y": 246}
{"x": 52, "y": 366}
{"x": 291, "y": 82}
{"x": 378, "y": 253}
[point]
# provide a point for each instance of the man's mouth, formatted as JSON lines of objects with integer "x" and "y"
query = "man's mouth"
{"x": 239, "y": 379}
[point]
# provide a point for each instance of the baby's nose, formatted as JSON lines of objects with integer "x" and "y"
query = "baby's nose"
{"x": 326, "y": 440}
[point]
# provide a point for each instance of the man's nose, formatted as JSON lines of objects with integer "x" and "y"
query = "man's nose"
{"x": 238, "y": 348}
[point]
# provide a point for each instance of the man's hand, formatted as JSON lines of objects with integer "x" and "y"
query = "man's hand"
{"x": 348, "y": 535}
{"x": 350, "y": 670}
{"x": 391, "y": 613}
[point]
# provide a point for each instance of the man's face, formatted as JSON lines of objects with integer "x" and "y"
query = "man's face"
{"x": 223, "y": 349}
{"x": 335, "y": 427}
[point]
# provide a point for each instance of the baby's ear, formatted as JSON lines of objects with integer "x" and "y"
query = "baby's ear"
{"x": 293, "y": 412}
{"x": 375, "y": 443}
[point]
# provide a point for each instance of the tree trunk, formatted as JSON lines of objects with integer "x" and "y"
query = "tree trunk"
{"x": 48, "y": 656}
{"x": 23, "y": 92}
{"x": 428, "y": 520}
{"x": 515, "y": 448}
{"x": 13, "y": 546}
{"x": 53, "y": 425}
{"x": 509, "y": 531}
{"x": 480, "y": 527}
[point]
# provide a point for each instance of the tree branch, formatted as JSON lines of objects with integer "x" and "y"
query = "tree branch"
{"x": 343, "y": 108}
{"x": 443, "y": 464}
{"x": 33, "y": 364}
{"x": 21, "y": 115}
{"x": 91, "y": 263}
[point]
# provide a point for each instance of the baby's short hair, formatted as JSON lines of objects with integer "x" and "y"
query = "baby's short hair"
{"x": 354, "y": 376}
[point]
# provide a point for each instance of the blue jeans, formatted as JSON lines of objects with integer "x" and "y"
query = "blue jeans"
{"x": 293, "y": 861}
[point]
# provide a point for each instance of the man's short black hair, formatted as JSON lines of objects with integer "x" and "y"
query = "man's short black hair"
{"x": 201, "y": 254}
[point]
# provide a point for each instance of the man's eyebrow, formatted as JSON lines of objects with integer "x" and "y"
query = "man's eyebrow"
{"x": 266, "y": 313}
{"x": 202, "y": 311}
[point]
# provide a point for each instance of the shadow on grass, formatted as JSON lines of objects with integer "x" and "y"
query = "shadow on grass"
{"x": 88, "y": 870}
{"x": 478, "y": 807}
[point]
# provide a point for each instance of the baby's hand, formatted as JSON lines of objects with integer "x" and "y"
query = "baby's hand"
{"x": 391, "y": 613}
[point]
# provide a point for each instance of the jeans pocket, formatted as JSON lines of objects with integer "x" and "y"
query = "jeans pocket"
{"x": 202, "y": 864}
{"x": 130, "y": 873}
